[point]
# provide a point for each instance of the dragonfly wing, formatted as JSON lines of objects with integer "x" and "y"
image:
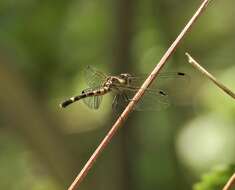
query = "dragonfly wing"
{"x": 120, "y": 101}
{"x": 93, "y": 77}
{"x": 153, "y": 100}
{"x": 92, "y": 102}
{"x": 172, "y": 82}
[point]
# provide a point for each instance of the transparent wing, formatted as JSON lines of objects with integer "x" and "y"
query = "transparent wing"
{"x": 166, "y": 86}
{"x": 174, "y": 83}
{"x": 120, "y": 101}
{"x": 94, "y": 77}
{"x": 163, "y": 80}
{"x": 92, "y": 102}
{"x": 153, "y": 100}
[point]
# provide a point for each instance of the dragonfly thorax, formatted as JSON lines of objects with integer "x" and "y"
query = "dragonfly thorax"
{"x": 113, "y": 81}
{"x": 126, "y": 77}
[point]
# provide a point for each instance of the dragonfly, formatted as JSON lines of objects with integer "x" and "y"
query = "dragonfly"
{"x": 124, "y": 86}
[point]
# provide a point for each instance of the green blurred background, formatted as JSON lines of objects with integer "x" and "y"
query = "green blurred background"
{"x": 44, "y": 47}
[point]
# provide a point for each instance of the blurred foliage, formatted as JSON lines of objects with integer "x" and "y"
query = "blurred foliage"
{"x": 204, "y": 133}
{"x": 16, "y": 162}
{"x": 215, "y": 179}
{"x": 44, "y": 47}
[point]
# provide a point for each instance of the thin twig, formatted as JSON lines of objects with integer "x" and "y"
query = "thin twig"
{"x": 123, "y": 117}
{"x": 230, "y": 183}
{"x": 210, "y": 76}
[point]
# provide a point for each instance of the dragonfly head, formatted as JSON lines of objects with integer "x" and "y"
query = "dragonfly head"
{"x": 125, "y": 75}
{"x": 116, "y": 80}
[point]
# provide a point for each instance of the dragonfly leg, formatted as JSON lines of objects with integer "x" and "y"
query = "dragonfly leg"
{"x": 125, "y": 97}
{"x": 114, "y": 103}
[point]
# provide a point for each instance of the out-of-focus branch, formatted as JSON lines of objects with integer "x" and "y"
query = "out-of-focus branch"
{"x": 136, "y": 98}
{"x": 122, "y": 62}
{"x": 196, "y": 65}
{"x": 29, "y": 119}
{"x": 230, "y": 183}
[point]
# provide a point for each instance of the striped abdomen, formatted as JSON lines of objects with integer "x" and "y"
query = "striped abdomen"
{"x": 85, "y": 94}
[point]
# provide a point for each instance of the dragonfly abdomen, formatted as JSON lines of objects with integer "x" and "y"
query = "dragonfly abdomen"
{"x": 72, "y": 100}
{"x": 85, "y": 94}
{"x": 99, "y": 92}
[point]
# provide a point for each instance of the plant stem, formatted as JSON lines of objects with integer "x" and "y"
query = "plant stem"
{"x": 123, "y": 117}
{"x": 194, "y": 63}
{"x": 230, "y": 183}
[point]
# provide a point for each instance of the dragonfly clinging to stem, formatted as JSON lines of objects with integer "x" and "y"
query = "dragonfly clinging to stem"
{"x": 124, "y": 86}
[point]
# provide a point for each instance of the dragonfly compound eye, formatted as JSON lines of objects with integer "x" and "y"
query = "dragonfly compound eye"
{"x": 180, "y": 73}
{"x": 162, "y": 93}
{"x": 125, "y": 75}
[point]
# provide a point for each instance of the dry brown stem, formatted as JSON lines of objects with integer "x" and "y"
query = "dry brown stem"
{"x": 195, "y": 64}
{"x": 136, "y": 98}
{"x": 230, "y": 183}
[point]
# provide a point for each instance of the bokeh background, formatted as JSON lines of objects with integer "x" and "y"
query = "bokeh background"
{"x": 44, "y": 47}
